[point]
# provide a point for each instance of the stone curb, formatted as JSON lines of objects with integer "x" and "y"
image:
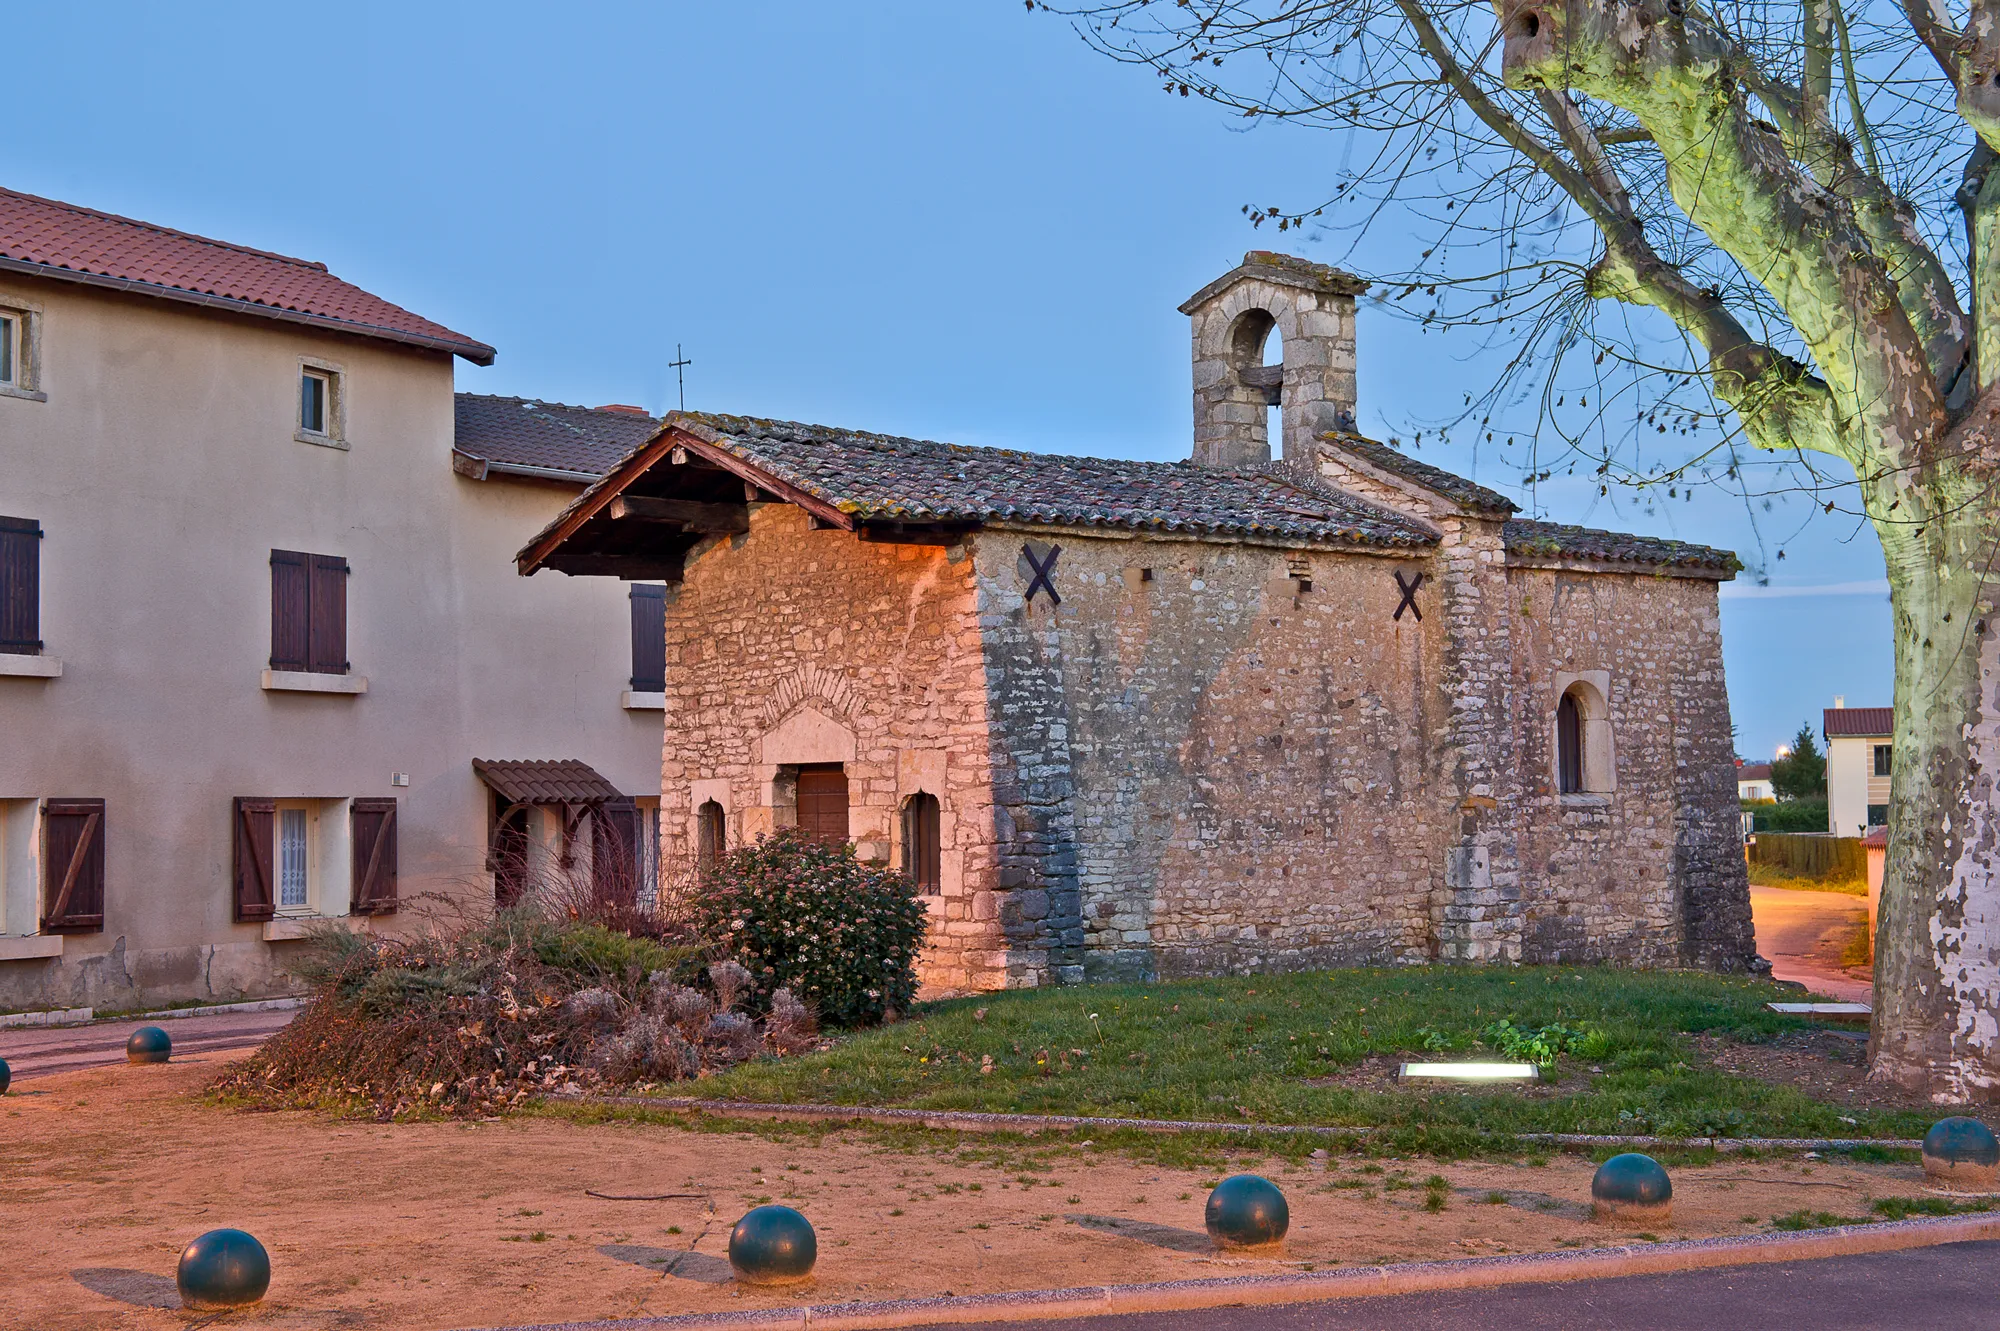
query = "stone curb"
{"x": 1318, "y": 1286}
{"x": 253, "y": 1005}
{"x": 83, "y": 1016}
{"x": 965, "y": 1120}
{"x": 69, "y": 1016}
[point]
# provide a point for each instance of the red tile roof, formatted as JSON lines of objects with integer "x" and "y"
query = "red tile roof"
{"x": 1753, "y": 772}
{"x": 1859, "y": 721}
{"x": 60, "y": 240}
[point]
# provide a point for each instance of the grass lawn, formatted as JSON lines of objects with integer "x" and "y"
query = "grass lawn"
{"x": 1249, "y": 1049}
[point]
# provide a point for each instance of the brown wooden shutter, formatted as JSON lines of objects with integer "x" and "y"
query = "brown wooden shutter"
{"x": 254, "y": 823}
{"x": 328, "y": 651}
{"x": 614, "y": 853}
{"x": 372, "y": 825}
{"x": 291, "y": 610}
{"x": 649, "y": 639}
{"x": 20, "y": 586}
{"x": 72, "y": 866}
{"x": 923, "y": 850}
{"x": 822, "y": 804}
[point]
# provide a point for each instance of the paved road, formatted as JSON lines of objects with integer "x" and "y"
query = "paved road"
{"x": 1949, "y": 1288}
{"x": 1802, "y": 933}
{"x": 39, "y": 1052}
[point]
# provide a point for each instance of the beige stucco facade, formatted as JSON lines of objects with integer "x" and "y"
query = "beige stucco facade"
{"x": 164, "y": 464}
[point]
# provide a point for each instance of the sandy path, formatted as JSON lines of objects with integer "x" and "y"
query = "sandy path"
{"x": 105, "y": 1174}
{"x": 1803, "y": 933}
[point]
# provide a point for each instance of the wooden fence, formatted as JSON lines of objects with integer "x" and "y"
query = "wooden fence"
{"x": 1833, "y": 859}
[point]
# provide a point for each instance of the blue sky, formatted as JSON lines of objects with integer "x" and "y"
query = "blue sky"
{"x": 946, "y": 219}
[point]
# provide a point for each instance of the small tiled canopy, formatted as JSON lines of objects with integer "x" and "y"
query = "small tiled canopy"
{"x": 567, "y": 781}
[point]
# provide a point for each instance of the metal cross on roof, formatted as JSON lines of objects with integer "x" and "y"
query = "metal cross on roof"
{"x": 679, "y": 366}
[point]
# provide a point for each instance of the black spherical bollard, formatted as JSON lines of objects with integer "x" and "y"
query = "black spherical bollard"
{"x": 772, "y": 1245}
{"x": 1632, "y": 1189}
{"x": 1246, "y": 1211}
{"x": 6, "y": 1076}
{"x": 149, "y": 1044}
{"x": 1961, "y": 1151}
{"x": 224, "y": 1268}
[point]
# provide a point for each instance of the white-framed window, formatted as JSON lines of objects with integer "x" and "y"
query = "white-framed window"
{"x": 20, "y": 350}
{"x": 322, "y": 414}
{"x": 295, "y": 857}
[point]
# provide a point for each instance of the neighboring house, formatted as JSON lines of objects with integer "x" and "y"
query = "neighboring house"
{"x": 1858, "y": 759}
{"x": 257, "y": 619}
{"x": 1124, "y": 719}
{"x": 1753, "y": 782}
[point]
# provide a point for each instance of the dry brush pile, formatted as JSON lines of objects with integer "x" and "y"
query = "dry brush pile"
{"x": 478, "y": 1019}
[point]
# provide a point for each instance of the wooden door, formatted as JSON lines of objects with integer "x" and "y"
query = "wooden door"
{"x": 823, "y": 804}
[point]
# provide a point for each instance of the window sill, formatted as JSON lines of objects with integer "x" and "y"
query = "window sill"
{"x": 1586, "y": 800}
{"x": 297, "y": 928}
{"x": 320, "y": 440}
{"x": 25, "y": 394}
{"x": 30, "y": 949}
{"x": 30, "y": 667}
{"x": 303, "y": 681}
{"x": 642, "y": 702}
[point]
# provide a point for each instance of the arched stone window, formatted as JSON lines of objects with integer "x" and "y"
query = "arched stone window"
{"x": 1585, "y": 763}
{"x": 923, "y": 843}
{"x": 711, "y": 833}
{"x": 1569, "y": 745}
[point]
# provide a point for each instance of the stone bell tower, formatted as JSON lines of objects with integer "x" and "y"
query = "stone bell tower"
{"x": 1312, "y": 308}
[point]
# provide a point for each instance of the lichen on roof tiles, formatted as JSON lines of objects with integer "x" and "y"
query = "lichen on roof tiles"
{"x": 1555, "y": 540}
{"x": 879, "y": 477}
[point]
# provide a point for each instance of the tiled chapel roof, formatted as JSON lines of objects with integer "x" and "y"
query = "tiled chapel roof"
{"x": 1558, "y": 540}
{"x": 875, "y": 479}
{"x": 884, "y": 478}
{"x": 67, "y": 242}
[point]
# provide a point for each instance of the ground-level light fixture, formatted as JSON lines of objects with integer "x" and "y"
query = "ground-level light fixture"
{"x": 1469, "y": 1072}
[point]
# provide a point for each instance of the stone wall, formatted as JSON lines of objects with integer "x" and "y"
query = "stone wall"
{"x": 1212, "y": 768}
{"x": 792, "y": 645}
{"x": 1215, "y": 758}
{"x": 1651, "y": 871}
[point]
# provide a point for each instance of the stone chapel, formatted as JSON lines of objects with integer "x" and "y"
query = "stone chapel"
{"x": 1124, "y": 720}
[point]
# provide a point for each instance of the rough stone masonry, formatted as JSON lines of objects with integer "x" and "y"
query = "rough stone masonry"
{"x": 1232, "y": 714}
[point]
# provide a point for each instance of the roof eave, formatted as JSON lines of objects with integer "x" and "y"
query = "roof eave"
{"x": 478, "y": 353}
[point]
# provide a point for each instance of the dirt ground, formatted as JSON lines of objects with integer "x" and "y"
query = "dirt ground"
{"x": 105, "y": 1174}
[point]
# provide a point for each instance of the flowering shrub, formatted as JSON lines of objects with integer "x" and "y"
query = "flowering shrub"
{"x": 809, "y": 917}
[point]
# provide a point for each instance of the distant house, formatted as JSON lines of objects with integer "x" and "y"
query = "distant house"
{"x": 263, "y": 658}
{"x": 1753, "y": 782}
{"x": 1857, "y": 767}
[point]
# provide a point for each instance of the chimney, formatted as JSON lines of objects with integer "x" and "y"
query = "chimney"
{"x": 1311, "y": 308}
{"x": 1839, "y": 702}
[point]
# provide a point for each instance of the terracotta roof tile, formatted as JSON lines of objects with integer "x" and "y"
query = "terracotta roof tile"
{"x": 512, "y": 433}
{"x": 879, "y": 477}
{"x": 1558, "y": 541}
{"x": 62, "y": 240}
{"x": 1859, "y": 721}
{"x": 545, "y": 780}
